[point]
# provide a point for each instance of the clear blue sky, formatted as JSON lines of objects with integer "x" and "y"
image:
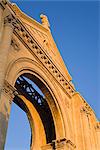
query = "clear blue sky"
{"x": 75, "y": 28}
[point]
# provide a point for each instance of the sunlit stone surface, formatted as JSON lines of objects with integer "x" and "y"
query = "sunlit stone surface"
{"x": 27, "y": 49}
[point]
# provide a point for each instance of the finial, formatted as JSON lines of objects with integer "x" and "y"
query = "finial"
{"x": 44, "y": 20}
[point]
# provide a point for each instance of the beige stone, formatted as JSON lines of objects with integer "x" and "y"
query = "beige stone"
{"x": 27, "y": 47}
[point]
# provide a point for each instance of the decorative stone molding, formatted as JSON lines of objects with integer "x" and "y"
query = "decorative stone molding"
{"x": 86, "y": 109}
{"x": 1, "y": 6}
{"x": 70, "y": 144}
{"x": 35, "y": 48}
{"x": 56, "y": 144}
{"x": 3, "y": 2}
{"x": 38, "y": 51}
{"x": 11, "y": 20}
{"x": 15, "y": 44}
{"x": 97, "y": 127}
{"x": 63, "y": 143}
{"x": 9, "y": 90}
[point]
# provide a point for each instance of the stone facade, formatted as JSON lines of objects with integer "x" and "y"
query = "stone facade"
{"x": 27, "y": 47}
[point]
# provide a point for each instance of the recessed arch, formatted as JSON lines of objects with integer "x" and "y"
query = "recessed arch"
{"x": 26, "y": 89}
{"x": 37, "y": 129}
{"x": 19, "y": 130}
{"x": 32, "y": 68}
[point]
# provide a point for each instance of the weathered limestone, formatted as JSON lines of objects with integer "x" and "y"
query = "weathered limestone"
{"x": 1, "y": 21}
{"x": 97, "y": 127}
{"x": 61, "y": 144}
{"x": 27, "y": 47}
{"x": 6, "y": 30}
{"x": 5, "y": 46}
{"x": 5, "y": 106}
{"x": 44, "y": 21}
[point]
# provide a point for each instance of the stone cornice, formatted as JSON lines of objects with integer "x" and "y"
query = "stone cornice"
{"x": 18, "y": 12}
{"x": 86, "y": 109}
{"x": 38, "y": 51}
{"x": 97, "y": 127}
{"x": 3, "y": 3}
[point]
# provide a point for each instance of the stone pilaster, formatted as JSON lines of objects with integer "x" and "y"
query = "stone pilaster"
{"x": 5, "y": 91}
{"x": 85, "y": 112}
{"x": 1, "y": 13}
{"x": 5, "y": 46}
{"x": 97, "y": 128}
{"x": 1, "y": 20}
{"x": 5, "y": 105}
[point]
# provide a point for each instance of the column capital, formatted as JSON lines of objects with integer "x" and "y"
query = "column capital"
{"x": 9, "y": 90}
{"x": 63, "y": 143}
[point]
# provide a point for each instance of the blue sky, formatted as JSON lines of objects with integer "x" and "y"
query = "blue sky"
{"x": 75, "y": 28}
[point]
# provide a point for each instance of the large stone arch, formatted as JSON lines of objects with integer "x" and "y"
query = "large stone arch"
{"x": 27, "y": 47}
{"x": 37, "y": 129}
{"x": 37, "y": 73}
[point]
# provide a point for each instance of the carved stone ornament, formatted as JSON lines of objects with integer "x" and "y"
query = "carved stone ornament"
{"x": 97, "y": 127}
{"x": 44, "y": 20}
{"x": 86, "y": 109}
{"x": 9, "y": 90}
{"x": 15, "y": 44}
{"x": 20, "y": 31}
{"x": 10, "y": 20}
{"x": 62, "y": 143}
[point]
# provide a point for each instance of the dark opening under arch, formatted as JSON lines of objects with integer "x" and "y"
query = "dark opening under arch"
{"x": 26, "y": 89}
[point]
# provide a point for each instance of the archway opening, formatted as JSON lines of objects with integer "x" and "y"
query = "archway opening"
{"x": 19, "y": 132}
{"x": 26, "y": 85}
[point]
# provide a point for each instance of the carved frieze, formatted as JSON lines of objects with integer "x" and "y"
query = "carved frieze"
{"x": 97, "y": 127}
{"x": 35, "y": 48}
{"x": 15, "y": 44}
{"x": 38, "y": 51}
{"x": 11, "y": 20}
{"x": 86, "y": 109}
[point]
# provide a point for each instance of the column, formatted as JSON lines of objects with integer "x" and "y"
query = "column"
{"x": 97, "y": 130}
{"x": 1, "y": 20}
{"x": 6, "y": 100}
{"x": 1, "y": 14}
{"x": 86, "y": 127}
{"x": 78, "y": 133}
{"x": 4, "y": 47}
{"x": 93, "y": 135}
